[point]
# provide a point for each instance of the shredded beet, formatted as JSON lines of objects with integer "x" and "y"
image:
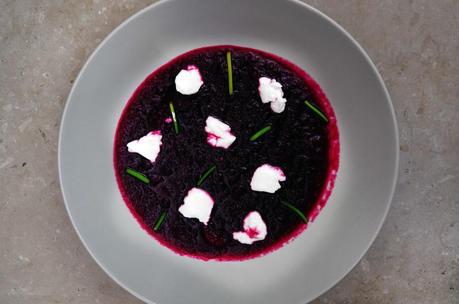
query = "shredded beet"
{"x": 299, "y": 142}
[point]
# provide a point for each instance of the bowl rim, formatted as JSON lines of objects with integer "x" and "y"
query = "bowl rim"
{"x": 294, "y": 2}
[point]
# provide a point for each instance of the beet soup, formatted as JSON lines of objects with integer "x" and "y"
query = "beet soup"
{"x": 226, "y": 152}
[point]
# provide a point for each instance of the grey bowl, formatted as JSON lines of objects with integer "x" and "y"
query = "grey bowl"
{"x": 320, "y": 256}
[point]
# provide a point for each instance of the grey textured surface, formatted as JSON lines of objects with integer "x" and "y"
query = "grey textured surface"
{"x": 415, "y": 259}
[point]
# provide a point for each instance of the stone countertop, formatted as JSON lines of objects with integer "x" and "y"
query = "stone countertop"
{"x": 415, "y": 45}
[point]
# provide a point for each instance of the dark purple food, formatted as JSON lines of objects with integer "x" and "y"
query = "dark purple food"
{"x": 301, "y": 142}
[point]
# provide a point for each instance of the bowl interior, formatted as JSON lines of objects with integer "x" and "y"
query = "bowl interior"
{"x": 320, "y": 256}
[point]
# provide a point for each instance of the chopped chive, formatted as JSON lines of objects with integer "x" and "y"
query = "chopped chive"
{"x": 316, "y": 110}
{"x": 230, "y": 72}
{"x": 174, "y": 118}
{"x": 160, "y": 221}
{"x": 260, "y": 132}
{"x": 138, "y": 175}
{"x": 296, "y": 210}
{"x": 205, "y": 175}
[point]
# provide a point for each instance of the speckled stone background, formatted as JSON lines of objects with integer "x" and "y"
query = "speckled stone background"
{"x": 415, "y": 44}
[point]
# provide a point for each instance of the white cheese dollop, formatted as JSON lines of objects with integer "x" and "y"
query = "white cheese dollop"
{"x": 271, "y": 91}
{"x": 148, "y": 146}
{"x": 218, "y": 133}
{"x": 266, "y": 178}
{"x": 254, "y": 229}
{"x": 197, "y": 204}
{"x": 188, "y": 81}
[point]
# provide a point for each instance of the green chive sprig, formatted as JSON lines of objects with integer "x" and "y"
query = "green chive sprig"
{"x": 296, "y": 210}
{"x": 206, "y": 174}
{"x": 261, "y": 132}
{"x": 160, "y": 221}
{"x": 174, "y": 118}
{"x": 316, "y": 110}
{"x": 141, "y": 177}
{"x": 230, "y": 72}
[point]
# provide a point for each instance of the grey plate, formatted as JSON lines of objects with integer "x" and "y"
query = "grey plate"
{"x": 320, "y": 256}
